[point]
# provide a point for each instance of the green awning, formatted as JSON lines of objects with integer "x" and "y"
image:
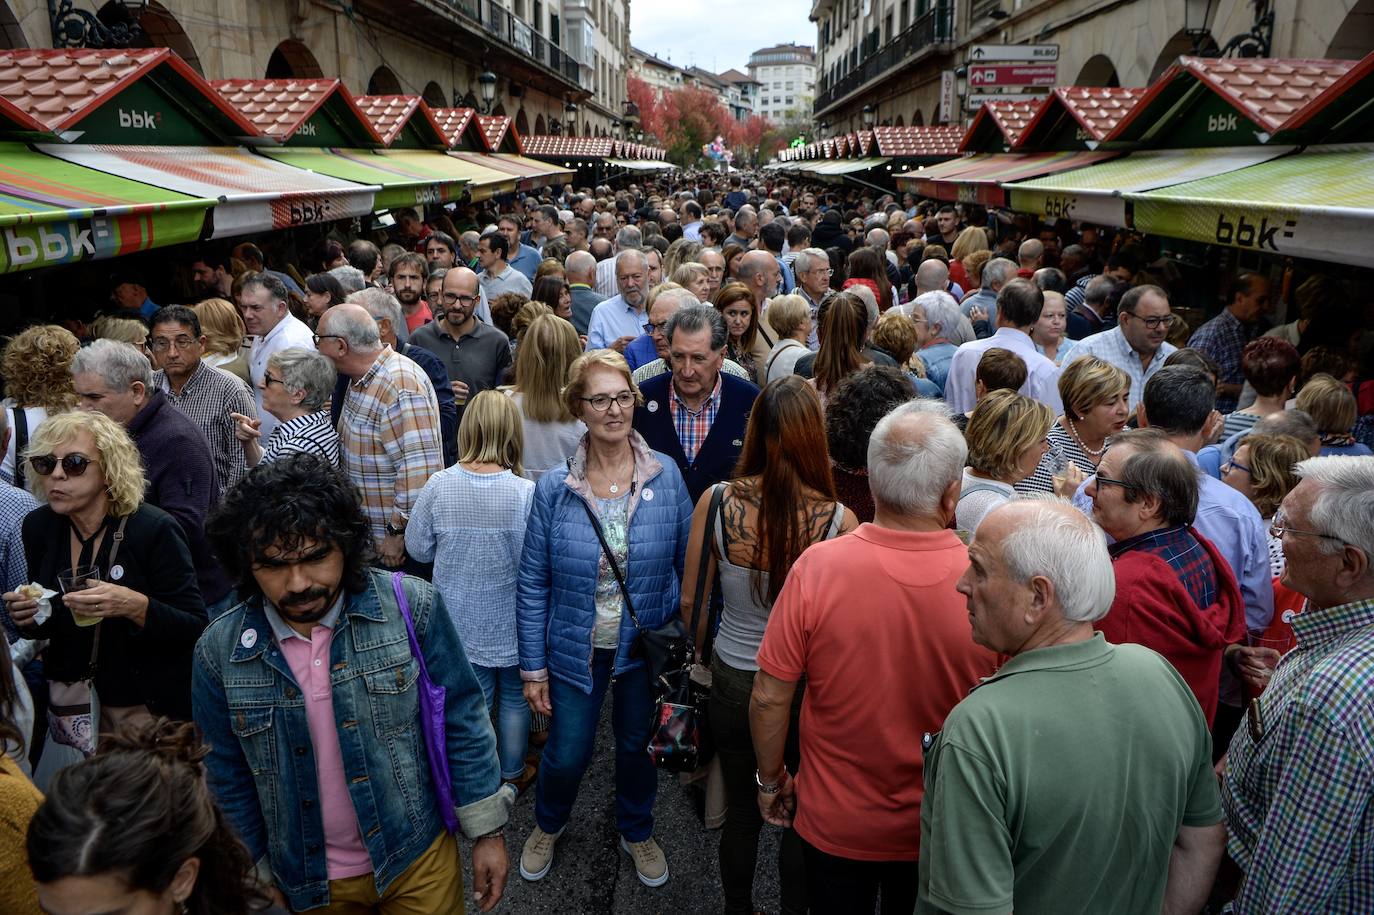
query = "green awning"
{"x": 849, "y": 166}
{"x": 483, "y": 182}
{"x": 399, "y": 187}
{"x": 1317, "y": 204}
{"x": 1095, "y": 194}
{"x": 55, "y": 212}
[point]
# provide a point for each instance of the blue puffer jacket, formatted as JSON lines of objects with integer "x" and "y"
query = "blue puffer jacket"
{"x": 556, "y": 609}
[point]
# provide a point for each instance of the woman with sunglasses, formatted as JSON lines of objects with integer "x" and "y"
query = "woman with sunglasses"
{"x": 127, "y": 609}
{"x": 602, "y": 560}
{"x": 295, "y": 389}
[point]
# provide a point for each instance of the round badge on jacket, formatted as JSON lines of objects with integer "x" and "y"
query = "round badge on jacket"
{"x": 652, "y": 406}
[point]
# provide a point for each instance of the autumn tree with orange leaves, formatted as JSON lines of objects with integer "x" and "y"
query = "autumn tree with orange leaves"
{"x": 685, "y": 119}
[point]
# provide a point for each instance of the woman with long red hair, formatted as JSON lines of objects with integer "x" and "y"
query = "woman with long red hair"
{"x": 781, "y": 501}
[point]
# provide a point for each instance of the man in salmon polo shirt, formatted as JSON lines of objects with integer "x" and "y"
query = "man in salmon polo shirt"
{"x": 874, "y": 623}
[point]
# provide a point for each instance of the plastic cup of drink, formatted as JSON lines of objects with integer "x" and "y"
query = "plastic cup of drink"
{"x": 79, "y": 579}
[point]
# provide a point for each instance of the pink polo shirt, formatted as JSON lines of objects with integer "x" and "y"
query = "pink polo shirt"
{"x": 345, "y": 853}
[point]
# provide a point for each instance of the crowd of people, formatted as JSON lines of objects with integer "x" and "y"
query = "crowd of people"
{"x": 1018, "y": 592}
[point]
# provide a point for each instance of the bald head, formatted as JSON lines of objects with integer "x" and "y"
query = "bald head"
{"x": 877, "y": 238}
{"x": 580, "y": 267}
{"x": 932, "y": 276}
{"x": 1031, "y": 253}
{"x": 759, "y": 271}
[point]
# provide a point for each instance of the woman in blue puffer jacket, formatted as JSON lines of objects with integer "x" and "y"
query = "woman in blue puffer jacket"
{"x": 576, "y": 636}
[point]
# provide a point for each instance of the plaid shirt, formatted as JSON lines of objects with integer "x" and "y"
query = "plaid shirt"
{"x": 692, "y": 428}
{"x": 15, "y": 504}
{"x": 1297, "y": 801}
{"x": 1185, "y": 555}
{"x": 1224, "y": 338}
{"x": 389, "y": 438}
{"x": 207, "y": 399}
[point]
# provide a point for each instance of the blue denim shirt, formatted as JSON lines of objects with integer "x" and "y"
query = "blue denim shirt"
{"x": 262, "y": 766}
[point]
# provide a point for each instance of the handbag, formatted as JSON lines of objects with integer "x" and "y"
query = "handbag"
{"x": 677, "y": 742}
{"x": 71, "y": 721}
{"x": 431, "y": 716}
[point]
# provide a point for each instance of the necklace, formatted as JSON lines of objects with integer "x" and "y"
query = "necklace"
{"x": 615, "y": 486}
{"x": 1077, "y": 438}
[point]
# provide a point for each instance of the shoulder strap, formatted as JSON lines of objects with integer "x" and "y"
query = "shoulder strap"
{"x": 835, "y": 521}
{"x": 21, "y": 441}
{"x": 116, "y": 539}
{"x": 398, "y": 587}
{"x": 702, "y": 595}
{"x": 610, "y": 557}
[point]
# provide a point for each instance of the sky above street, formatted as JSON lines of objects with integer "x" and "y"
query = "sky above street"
{"x": 717, "y": 36}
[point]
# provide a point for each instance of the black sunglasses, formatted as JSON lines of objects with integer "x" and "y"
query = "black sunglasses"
{"x": 73, "y": 465}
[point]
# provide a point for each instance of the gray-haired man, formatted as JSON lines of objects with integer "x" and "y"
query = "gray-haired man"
{"x": 1120, "y": 812}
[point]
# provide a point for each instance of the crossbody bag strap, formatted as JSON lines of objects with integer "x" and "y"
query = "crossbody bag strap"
{"x": 116, "y": 539}
{"x": 701, "y": 595}
{"x": 21, "y": 441}
{"x": 610, "y": 557}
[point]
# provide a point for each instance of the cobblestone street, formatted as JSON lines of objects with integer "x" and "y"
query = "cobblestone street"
{"x": 592, "y": 876}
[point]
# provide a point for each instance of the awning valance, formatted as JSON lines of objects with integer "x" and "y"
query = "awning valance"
{"x": 849, "y": 166}
{"x": 1094, "y": 194}
{"x": 252, "y": 193}
{"x": 1317, "y": 204}
{"x": 923, "y": 181}
{"x": 483, "y": 181}
{"x": 399, "y": 188}
{"x": 54, "y": 212}
{"x": 979, "y": 178}
{"x": 640, "y": 165}
{"x": 531, "y": 173}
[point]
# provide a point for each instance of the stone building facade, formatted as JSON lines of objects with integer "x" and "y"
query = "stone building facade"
{"x": 891, "y": 54}
{"x": 559, "y": 63}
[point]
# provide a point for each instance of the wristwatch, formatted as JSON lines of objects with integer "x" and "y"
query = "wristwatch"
{"x": 773, "y": 788}
{"x": 394, "y": 531}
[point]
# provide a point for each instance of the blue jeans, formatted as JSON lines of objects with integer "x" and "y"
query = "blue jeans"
{"x": 513, "y": 717}
{"x": 572, "y": 731}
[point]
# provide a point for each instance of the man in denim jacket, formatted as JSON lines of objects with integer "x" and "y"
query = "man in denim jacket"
{"x": 307, "y": 693}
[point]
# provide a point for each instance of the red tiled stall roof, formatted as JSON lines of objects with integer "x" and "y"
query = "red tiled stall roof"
{"x": 456, "y": 123}
{"x": 548, "y": 146}
{"x": 917, "y": 141}
{"x": 57, "y": 88}
{"x": 389, "y": 114}
{"x": 494, "y": 127}
{"x": 1010, "y": 117}
{"x": 1267, "y": 90}
{"x": 1326, "y": 111}
{"x": 1097, "y": 109}
{"x": 865, "y": 141}
{"x": 278, "y": 107}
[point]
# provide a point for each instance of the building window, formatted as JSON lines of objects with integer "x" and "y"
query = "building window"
{"x": 538, "y": 16}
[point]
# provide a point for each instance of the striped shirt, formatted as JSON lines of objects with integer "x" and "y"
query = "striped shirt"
{"x": 692, "y": 428}
{"x": 389, "y": 438}
{"x": 1042, "y": 479}
{"x": 308, "y": 434}
{"x": 1298, "y": 814}
{"x": 472, "y": 527}
{"x": 207, "y": 399}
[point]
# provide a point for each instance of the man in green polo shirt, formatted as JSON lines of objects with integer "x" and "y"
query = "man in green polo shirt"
{"x": 1079, "y": 777}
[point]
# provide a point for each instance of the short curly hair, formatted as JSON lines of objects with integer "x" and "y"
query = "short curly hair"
{"x": 118, "y": 456}
{"x": 854, "y": 407}
{"x": 37, "y": 365}
{"x": 282, "y": 505}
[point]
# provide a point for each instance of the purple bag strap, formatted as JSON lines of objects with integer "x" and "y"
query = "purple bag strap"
{"x": 397, "y": 579}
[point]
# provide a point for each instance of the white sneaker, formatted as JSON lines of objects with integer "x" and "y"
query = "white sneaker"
{"x": 650, "y": 864}
{"x": 537, "y": 856}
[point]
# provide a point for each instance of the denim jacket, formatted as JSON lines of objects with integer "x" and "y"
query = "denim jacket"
{"x": 262, "y": 766}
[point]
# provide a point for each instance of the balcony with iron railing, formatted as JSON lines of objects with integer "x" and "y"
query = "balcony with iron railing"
{"x": 930, "y": 33}
{"x": 506, "y": 32}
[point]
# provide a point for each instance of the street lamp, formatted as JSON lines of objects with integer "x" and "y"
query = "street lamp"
{"x": 75, "y": 28}
{"x": 1196, "y": 16}
{"x": 487, "y": 81}
{"x": 1257, "y": 42}
{"x": 870, "y": 117}
{"x": 824, "y": 128}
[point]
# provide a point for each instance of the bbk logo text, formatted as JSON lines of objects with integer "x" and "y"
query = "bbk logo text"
{"x": 140, "y": 120}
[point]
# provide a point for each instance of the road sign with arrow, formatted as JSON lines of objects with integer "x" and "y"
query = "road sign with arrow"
{"x": 1035, "y": 53}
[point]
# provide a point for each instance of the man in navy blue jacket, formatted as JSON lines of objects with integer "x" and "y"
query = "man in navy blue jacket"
{"x": 696, "y": 415}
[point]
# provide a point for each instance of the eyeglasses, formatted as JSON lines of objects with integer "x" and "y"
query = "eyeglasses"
{"x": 268, "y": 381}
{"x": 652, "y": 328}
{"x": 602, "y": 402}
{"x": 318, "y": 337}
{"x": 823, "y": 271}
{"x": 162, "y": 344}
{"x": 1226, "y": 468}
{"x": 1277, "y": 529}
{"x": 73, "y": 465}
{"x": 1154, "y": 322}
{"x": 1122, "y": 483}
{"x": 453, "y": 298}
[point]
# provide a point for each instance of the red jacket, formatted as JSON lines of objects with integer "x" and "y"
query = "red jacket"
{"x": 1152, "y": 608}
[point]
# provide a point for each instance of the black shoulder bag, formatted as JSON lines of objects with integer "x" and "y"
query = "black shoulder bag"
{"x": 675, "y": 743}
